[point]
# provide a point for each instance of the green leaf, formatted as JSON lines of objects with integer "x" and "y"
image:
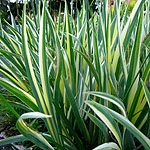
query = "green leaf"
{"x": 108, "y": 43}
{"x": 107, "y": 146}
{"x": 87, "y": 9}
{"x": 138, "y": 98}
{"x": 75, "y": 110}
{"x": 126, "y": 123}
{"x": 146, "y": 42}
{"x": 29, "y": 68}
{"x": 97, "y": 60}
{"x": 12, "y": 74}
{"x": 70, "y": 51}
{"x": 13, "y": 139}
{"x": 47, "y": 101}
{"x": 111, "y": 99}
{"x": 122, "y": 54}
{"x": 147, "y": 93}
{"x": 134, "y": 65}
{"x": 7, "y": 45}
{"x": 20, "y": 105}
{"x": 99, "y": 124}
{"x": 33, "y": 115}
{"x": 16, "y": 33}
{"x": 106, "y": 117}
{"x": 31, "y": 134}
{"x": 50, "y": 140}
{"x": 69, "y": 126}
{"x": 9, "y": 106}
{"x": 59, "y": 57}
{"x": 21, "y": 94}
{"x": 43, "y": 60}
{"x": 92, "y": 68}
{"x": 133, "y": 14}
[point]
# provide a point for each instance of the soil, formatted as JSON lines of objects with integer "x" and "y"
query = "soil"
{"x": 3, "y": 135}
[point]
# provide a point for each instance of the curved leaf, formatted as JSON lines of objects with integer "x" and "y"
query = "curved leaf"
{"x": 107, "y": 146}
{"x": 106, "y": 117}
{"x": 21, "y": 94}
{"x": 110, "y": 98}
{"x": 31, "y": 134}
{"x": 126, "y": 123}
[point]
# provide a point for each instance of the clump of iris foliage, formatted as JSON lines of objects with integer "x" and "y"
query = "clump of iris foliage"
{"x": 85, "y": 76}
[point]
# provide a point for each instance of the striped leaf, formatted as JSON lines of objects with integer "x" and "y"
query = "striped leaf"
{"x": 107, "y": 146}
{"x": 147, "y": 93}
{"x": 12, "y": 139}
{"x": 21, "y": 94}
{"x": 106, "y": 117}
{"x": 31, "y": 134}
{"x": 111, "y": 99}
{"x": 126, "y": 123}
